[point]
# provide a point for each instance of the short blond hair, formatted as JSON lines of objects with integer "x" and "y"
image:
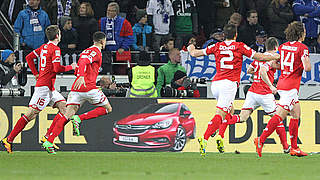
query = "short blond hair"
{"x": 116, "y": 5}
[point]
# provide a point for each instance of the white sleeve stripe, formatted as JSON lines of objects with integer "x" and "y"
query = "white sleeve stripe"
{"x": 253, "y": 53}
{"x": 35, "y": 53}
{"x": 204, "y": 51}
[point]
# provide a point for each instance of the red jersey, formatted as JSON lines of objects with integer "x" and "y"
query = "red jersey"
{"x": 291, "y": 65}
{"x": 229, "y": 57}
{"x": 259, "y": 86}
{"x": 49, "y": 64}
{"x": 89, "y": 64}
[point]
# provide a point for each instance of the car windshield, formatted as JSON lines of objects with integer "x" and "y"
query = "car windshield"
{"x": 160, "y": 108}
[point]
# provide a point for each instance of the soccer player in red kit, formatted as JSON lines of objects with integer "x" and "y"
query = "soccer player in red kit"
{"x": 229, "y": 57}
{"x": 260, "y": 94}
{"x": 44, "y": 94}
{"x": 84, "y": 89}
{"x": 294, "y": 58}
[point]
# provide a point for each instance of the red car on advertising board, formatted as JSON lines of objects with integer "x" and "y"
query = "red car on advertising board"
{"x": 163, "y": 125}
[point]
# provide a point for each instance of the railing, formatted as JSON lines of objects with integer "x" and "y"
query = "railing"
{"x": 109, "y": 63}
{"x": 7, "y": 33}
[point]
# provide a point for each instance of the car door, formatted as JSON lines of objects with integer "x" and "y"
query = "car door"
{"x": 186, "y": 119}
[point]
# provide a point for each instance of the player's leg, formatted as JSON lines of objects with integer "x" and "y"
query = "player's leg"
{"x": 269, "y": 105}
{"x": 285, "y": 105}
{"x": 225, "y": 92}
{"x": 40, "y": 99}
{"x": 96, "y": 97}
{"x": 73, "y": 103}
{"x": 293, "y": 130}
{"x": 57, "y": 101}
{"x": 248, "y": 106}
{"x": 19, "y": 126}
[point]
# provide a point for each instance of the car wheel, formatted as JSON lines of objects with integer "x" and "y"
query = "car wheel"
{"x": 180, "y": 139}
{"x": 193, "y": 135}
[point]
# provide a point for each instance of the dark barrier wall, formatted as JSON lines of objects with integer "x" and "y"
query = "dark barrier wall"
{"x": 188, "y": 116}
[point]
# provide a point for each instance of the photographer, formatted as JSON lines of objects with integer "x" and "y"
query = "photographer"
{"x": 181, "y": 86}
{"x": 9, "y": 70}
{"x": 110, "y": 88}
{"x": 107, "y": 83}
{"x": 180, "y": 81}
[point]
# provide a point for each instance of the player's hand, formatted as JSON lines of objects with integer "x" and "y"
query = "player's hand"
{"x": 191, "y": 47}
{"x": 17, "y": 67}
{"x": 36, "y": 76}
{"x": 80, "y": 81}
{"x": 120, "y": 50}
{"x": 273, "y": 89}
{"x": 74, "y": 66}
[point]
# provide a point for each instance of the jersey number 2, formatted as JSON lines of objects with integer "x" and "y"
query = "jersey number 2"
{"x": 226, "y": 59}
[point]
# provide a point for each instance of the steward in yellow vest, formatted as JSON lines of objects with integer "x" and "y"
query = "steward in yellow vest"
{"x": 142, "y": 78}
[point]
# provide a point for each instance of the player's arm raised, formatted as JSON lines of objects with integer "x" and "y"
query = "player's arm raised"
{"x": 263, "y": 73}
{"x": 195, "y": 52}
{"x": 266, "y": 57}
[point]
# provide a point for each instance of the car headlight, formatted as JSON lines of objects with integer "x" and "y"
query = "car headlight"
{"x": 162, "y": 124}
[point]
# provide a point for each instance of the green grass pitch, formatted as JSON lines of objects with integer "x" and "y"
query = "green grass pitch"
{"x": 157, "y": 165}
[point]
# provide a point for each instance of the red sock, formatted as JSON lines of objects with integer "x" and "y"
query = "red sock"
{"x": 213, "y": 126}
{"x": 235, "y": 119}
{"x": 222, "y": 128}
{"x": 22, "y": 122}
{"x": 271, "y": 126}
{"x": 61, "y": 122}
{"x": 99, "y": 111}
{"x": 293, "y": 130}
{"x": 281, "y": 131}
{"x": 54, "y": 121}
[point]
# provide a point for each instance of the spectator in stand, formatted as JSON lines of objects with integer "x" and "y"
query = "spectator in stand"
{"x": 165, "y": 48}
{"x": 185, "y": 18}
{"x": 280, "y": 15}
{"x": 31, "y": 24}
{"x": 308, "y": 12}
{"x": 59, "y": 8}
{"x": 207, "y": 15}
{"x": 225, "y": 8}
{"x": 259, "y": 45}
{"x": 142, "y": 32}
{"x": 118, "y": 30}
{"x": 235, "y": 19}
{"x": 247, "y": 32}
{"x": 11, "y": 9}
{"x": 166, "y": 72}
{"x": 161, "y": 16}
{"x": 69, "y": 36}
{"x": 9, "y": 70}
{"x": 85, "y": 25}
{"x": 217, "y": 35}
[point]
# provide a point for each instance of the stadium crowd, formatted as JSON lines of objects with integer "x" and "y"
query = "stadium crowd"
{"x": 148, "y": 25}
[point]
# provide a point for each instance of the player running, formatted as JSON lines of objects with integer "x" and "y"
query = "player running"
{"x": 229, "y": 57}
{"x": 294, "y": 59}
{"x": 260, "y": 94}
{"x": 84, "y": 89}
{"x": 44, "y": 93}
